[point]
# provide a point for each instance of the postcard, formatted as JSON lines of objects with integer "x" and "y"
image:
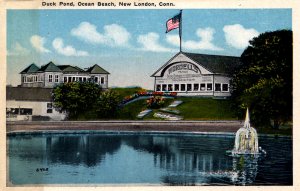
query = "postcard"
{"x": 149, "y": 94}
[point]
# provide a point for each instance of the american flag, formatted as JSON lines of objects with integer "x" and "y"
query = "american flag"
{"x": 173, "y": 23}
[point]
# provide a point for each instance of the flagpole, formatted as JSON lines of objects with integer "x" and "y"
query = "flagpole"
{"x": 180, "y": 28}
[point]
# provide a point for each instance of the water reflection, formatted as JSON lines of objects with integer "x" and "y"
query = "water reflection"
{"x": 168, "y": 160}
{"x": 89, "y": 150}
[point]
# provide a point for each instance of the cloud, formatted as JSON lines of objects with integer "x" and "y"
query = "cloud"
{"x": 38, "y": 43}
{"x": 237, "y": 36}
{"x": 67, "y": 50}
{"x": 17, "y": 50}
{"x": 114, "y": 35}
{"x": 206, "y": 36}
{"x": 150, "y": 42}
{"x": 173, "y": 40}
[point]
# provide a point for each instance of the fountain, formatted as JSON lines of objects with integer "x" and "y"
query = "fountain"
{"x": 246, "y": 140}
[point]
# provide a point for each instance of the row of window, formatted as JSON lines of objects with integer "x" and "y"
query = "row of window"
{"x": 84, "y": 79}
{"x": 192, "y": 87}
{"x": 31, "y": 78}
{"x": 18, "y": 111}
{"x": 26, "y": 111}
{"x": 50, "y": 78}
{"x": 28, "y": 79}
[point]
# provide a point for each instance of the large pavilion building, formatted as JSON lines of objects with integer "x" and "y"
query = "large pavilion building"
{"x": 190, "y": 74}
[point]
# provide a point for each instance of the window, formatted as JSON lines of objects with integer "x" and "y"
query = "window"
{"x": 225, "y": 87}
{"x": 73, "y": 79}
{"x": 217, "y": 87}
{"x": 164, "y": 87}
{"x": 50, "y": 78}
{"x": 84, "y": 79}
{"x": 96, "y": 79}
{"x": 209, "y": 87}
{"x": 189, "y": 87}
{"x": 80, "y": 79}
{"x": 23, "y": 79}
{"x": 202, "y": 87}
{"x": 29, "y": 78}
{"x": 158, "y": 87}
{"x": 56, "y": 78}
{"x": 176, "y": 87}
{"x": 196, "y": 87}
{"x": 25, "y": 111}
{"x": 170, "y": 87}
{"x": 182, "y": 87}
{"x": 65, "y": 79}
{"x": 49, "y": 108}
{"x": 102, "y": 80}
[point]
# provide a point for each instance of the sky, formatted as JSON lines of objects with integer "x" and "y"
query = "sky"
{"x": 130, "y": 44}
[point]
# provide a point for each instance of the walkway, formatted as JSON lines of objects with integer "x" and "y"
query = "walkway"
{"x": 172, "y": 126}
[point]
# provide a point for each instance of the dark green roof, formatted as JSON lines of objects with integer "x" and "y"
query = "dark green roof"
{"x": 216, "y": 63}
{"x": 50, "y": 67}
{"x": 96, "y": 70}
{"x": 30, "y": 69}
{"x": 69, "y": 68}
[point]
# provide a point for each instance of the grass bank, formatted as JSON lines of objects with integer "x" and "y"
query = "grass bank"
{"x": 191, "y": 109}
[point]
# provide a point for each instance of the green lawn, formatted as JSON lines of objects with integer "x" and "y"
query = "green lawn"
{"x": 194, "y": 108}
{"x": 191, "y": 109}
{"x": 123, "y": 92}
{"x": 130, "y": 111}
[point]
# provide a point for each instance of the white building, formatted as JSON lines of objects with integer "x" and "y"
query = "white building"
{"x": 30, "y": 103}
{"x": 50, "y": 75}
{"x": 32, "y": 100}
{"x": 190, "y": 74}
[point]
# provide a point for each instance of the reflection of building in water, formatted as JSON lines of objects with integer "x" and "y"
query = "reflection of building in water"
{"x": 191, "y": 74}
{"x": 71, "y": 150}
{"x": 176, "y": 158}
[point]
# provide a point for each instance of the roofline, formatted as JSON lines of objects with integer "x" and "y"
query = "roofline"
{"x": 27, "y": 67}
{"x": 211, "y": 55}
{"x": 185, "y": 53}
{"x": 198, "y": 62}
{"x": 153, "y": 75}
{"x": 105, "y": 72}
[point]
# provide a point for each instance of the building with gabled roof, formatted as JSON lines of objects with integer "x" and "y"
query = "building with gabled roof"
{"x": 31, "y": 103}
{"x": 190, "y": 74}
{"x": 30, "y": 69}
{"x": 50, "y": 75}
{"x": 96, "y": 70}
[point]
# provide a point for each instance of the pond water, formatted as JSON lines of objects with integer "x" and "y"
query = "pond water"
{"x": 144, "y": 159}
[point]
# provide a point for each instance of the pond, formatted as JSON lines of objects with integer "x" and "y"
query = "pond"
{"x": 144, "y": 159}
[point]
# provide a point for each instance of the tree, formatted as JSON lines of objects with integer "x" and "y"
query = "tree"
{"x": 76, "y": 98}
{"x": 108, "y": 104}
{"x": 263, "y": 82}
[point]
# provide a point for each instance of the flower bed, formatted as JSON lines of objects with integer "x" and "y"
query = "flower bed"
{"x": 143, "y": 93}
